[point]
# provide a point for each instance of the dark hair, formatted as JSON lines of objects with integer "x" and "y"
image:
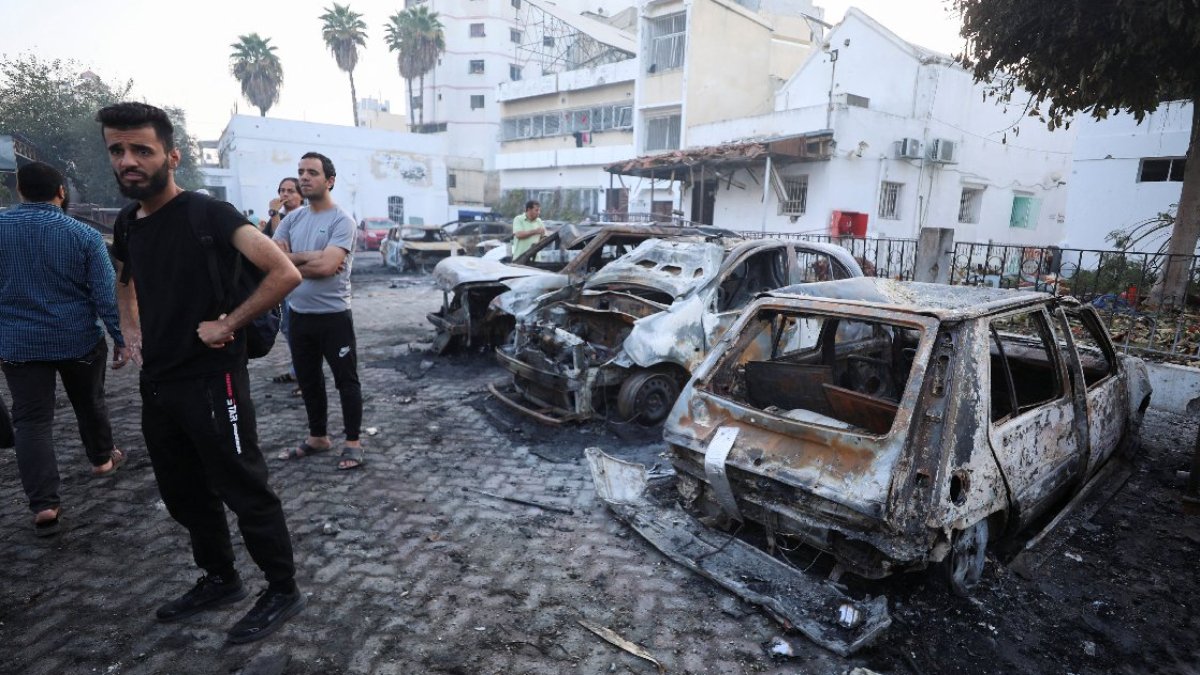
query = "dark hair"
{"x": 326, "y": 163}
{"x": 133, "y": 115}
{"x": 532, "y": 203}
{"x": 38, "y": 182}
{"x": 289, "y": 179}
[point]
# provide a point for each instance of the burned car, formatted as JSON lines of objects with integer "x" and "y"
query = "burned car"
{"x": 476, "y": 236}
{"x": 626, "y": 342}
{"x": 469, "y": 316}
{"x": 898, "y": 425}
{"x": 410, "y": 248}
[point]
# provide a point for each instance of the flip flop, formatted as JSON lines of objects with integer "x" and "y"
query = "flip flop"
{"x": 117, "y": 458}
{"x": 284, "y": 378}
{"x": 49, "y": 527}
{"x": 301, "y": 451}
{"x": 350, "y": 454}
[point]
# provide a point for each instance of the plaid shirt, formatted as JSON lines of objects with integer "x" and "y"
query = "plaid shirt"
{"x": 55, "y": 280}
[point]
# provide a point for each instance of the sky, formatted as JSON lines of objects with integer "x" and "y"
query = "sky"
{"x": 178, "y": 54}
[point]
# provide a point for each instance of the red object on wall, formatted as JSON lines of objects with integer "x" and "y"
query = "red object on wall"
{"x": 848, "y": 224}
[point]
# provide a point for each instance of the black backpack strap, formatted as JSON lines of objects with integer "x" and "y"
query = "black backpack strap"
{"x": 121, "y": 235}
{"x": 198, "y": 219}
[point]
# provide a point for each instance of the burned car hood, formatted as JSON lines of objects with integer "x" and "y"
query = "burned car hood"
{"x": 455, "y": 271}
{"x": 433, "y": 245}
{"x": 673, "y": 267}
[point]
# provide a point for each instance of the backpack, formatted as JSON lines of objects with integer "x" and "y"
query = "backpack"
{"x": 260, "y": 333}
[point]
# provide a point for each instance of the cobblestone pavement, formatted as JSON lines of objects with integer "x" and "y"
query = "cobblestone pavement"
{"x": 406, "y": 570}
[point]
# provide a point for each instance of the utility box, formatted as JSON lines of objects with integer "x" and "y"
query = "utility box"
{"x": 848, "y": 224}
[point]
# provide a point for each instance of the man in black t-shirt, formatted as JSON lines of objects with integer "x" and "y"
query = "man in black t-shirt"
{"x": 197, "y": 415}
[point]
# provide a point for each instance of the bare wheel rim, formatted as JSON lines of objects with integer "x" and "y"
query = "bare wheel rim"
{"x": 648, "y": 397}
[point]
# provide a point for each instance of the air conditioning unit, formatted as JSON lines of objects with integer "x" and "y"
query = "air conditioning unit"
{"x": 908, "y": 148}
{"x": 942, "y": 150}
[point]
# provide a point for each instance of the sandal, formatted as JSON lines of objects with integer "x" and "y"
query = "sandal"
{"x": 351, "y": 454}
{"x": 49, "y": 526}
{"x": 301, "y": 451}
{"x": 116, "y": 458}
{"x": 284, "y": 378}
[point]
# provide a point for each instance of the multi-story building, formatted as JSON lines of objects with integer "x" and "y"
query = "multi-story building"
{"x": 873, "y": 135}
{"x": 568, "y": 112}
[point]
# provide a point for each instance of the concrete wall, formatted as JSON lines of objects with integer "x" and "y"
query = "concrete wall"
{"x": 1176, "y": 388}
{"x": 371, "y": 164}
{"x": 727, "y": 64}
{"x": 1104, "y": 192}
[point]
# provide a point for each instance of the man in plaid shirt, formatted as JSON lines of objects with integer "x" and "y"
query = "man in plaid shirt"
{"x": 55, "y": 281}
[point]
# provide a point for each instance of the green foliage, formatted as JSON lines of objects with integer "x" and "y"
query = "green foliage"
{"x": 416, "y": 35}
{"x": 1115, "y": 274}
{"x": 255, "y": 65}
{"x": 344, "y": 32}
{"x": 53, "y": 104}
{"x": 512, "y": 203}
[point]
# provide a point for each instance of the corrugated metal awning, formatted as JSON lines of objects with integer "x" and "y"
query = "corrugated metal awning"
{"x": 682, "y": 164}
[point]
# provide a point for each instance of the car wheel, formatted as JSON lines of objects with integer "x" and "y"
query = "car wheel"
{"x": 647, "y": 397}
{"x": 963, "y": 566}
{"x": 406, "y": 264}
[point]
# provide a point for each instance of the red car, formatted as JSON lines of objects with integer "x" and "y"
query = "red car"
{"x": 372, "y": 232}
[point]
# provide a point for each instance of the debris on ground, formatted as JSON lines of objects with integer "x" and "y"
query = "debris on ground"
{"x": 621, "y": 642}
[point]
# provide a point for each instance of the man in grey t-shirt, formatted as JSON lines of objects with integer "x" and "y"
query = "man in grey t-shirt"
{"x": 319, "y": 239}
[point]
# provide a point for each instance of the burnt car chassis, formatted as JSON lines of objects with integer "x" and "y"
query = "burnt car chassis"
{"x": 893, "y": 426}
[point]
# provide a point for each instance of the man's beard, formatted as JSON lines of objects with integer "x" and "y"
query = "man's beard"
{"x": 157, "y": 183}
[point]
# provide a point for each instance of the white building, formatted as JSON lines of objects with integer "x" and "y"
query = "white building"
{"x": 1125, "y": 174}
{"x": 884, "y": 134}
{"x": 563, "y": 125}
{"x": 382, "y": 173}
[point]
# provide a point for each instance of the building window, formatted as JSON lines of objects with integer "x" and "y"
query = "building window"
{"x": 795, "y": 196}
{"x": 475, "y": 67}
{"x": 514, "y": 35}
{"x": 889, "y": 200}
{"x": 547, "y": 40}
{"x": 858, "y": 101}
{"x": 1024, "y": 212}
{"x": 396, "y": 209}
{"x": 476, "y": 101}
{"x": 516, "y": 3}
{"x": 451, "y": 180}
{"x": 477, "y": 30}
{"x": 1161, "y": 170}
{"x": 968, "y": 205}
{"x": 514, "y": 72}
{"x": 416, "y": 102}
{"x": 662, "y": 133}
{"x": 599, "y": 118}
{"x": 667, "y": 40}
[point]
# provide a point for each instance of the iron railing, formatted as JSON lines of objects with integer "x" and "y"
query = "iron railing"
{"x": 1126, "y": 288}
{"x": 878, "y": 257}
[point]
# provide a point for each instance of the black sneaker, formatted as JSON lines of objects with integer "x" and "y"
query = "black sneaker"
{"x": 268, "y": 614}
{"x": 211, "y": 590}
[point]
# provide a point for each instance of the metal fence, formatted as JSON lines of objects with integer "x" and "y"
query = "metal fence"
{"x": 878, "y": 257}
{"x": 1125, "y": 288}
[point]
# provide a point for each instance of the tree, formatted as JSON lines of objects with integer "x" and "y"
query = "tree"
{"x": 1098, "y": 57}
{"x": 254, "y": 64}
{"x": 416, "y": 34}
{"x": 344, "y": 32}
{"x": 53, "y": 104}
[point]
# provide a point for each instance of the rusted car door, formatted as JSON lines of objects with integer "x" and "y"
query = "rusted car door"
{"x": 1107, "y": 408}
{"x": 1033, "y": 430}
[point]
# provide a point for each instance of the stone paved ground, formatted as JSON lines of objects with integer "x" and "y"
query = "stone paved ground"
{"x": 407, "y": 572}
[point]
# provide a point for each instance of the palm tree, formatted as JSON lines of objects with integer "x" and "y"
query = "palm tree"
{"x": 254, "y": 63}
{"x": 416, "y": 33}
{"x": 344, "y": 32}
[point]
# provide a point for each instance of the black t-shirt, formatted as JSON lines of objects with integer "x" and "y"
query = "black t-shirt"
{"x": 175, "y": 290}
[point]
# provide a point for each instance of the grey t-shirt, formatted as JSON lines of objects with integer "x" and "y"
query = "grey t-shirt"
{"x": 304, "y": 230}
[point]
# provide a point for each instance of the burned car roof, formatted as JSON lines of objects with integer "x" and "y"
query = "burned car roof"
{"x": 672, "y": 266}
{"x": 938, "y": 300}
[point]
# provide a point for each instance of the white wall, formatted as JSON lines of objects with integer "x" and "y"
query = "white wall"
{"x": 1104, "y": 192}
{"x": 371, "y": 164}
